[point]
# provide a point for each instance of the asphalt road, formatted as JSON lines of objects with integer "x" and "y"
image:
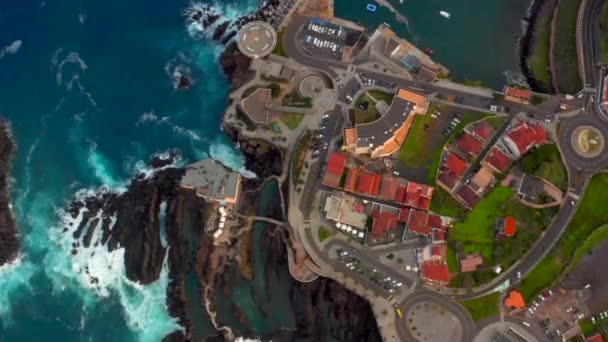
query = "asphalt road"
{"x": 466, "y": 322}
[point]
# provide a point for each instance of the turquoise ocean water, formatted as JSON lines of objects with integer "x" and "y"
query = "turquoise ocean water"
{"x": 478, "y": 42}
{"x": 87, "y": 86}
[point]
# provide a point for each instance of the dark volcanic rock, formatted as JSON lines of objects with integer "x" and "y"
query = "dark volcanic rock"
{"x": 261, "y": 157}
{"x": 9, "y": 237}
{"x": 236, "y": 65}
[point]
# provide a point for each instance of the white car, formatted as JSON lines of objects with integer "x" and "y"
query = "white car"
{"x": 325, "y": 116}
{"x": 518, "y": 275}
{"x": 526, "y": 324}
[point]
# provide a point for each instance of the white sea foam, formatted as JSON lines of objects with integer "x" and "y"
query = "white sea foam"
{"x": 82, "y": 18}
{"x": 102, "y": 168}
{"x": 10, "y": 49}
{"x": 102, "y": 274}
{"x": 13, "y": 276}
{"x": 152, "y": 117}
{"x": 230, "y": 157}
{"x": 245, "y": 339}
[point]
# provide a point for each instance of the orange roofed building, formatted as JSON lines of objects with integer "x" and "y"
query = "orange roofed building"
{"x": 515, "y": 300}
{"x": 385, "y": 136}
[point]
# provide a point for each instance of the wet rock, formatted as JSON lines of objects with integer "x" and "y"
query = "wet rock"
{"x": 9, "y": 235}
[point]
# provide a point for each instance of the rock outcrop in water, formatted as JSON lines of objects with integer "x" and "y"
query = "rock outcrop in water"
{"x": 9, "y": 236}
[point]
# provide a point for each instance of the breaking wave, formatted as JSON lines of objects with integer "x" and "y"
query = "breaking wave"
{"x": 10, "y": 49}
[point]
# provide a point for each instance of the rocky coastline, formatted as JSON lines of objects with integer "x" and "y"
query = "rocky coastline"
{"x": 132, "y": 220}
{"x": 9, "y": 236}
{"x": 526, "y": 46}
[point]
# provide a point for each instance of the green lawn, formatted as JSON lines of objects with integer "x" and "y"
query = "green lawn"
{"x": 294, "y": 99}
{"x": 298, "y": 157}
{"x": 476, "y": 232}
{"x": 539, "y": 58}
{"x": 564, "y": 52}
{"x": 420, "y": 151}
{"x": 451, "y": 259}
{"x": 546, "y": 162}
{"x": 292, "y": 120}
{"x": 590, "y": 215}
{"x": 325, "y": 233}
{"x": 496, "y": 121}
{"x": 603, "y": 19}
{"x": 371, "y": 113}
{"x": 279, "y": 49}
{"x": 592, "y": 240}
{"x": 482, "y": 307}
{"x": 444, "y": 204}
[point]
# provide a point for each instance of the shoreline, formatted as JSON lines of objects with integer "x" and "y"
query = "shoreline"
{"x": 526, "y": 46}
{"x": 10, "y": 242}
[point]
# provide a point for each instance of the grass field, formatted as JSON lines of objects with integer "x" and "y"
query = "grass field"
{"x": 292, "y": 120}
{"x": 496, "y": 121}
{"x": 590, "y": 215}
{"x": 443, "y": 203}
{"x": 279, "y": 49}
{"x": 298, "y": 157}
{"x": 422, "y": 149}
{"x": 541, "y": 49}
{"x": 476, "y": 232}
{"x": 546, "y": 162}
{"x": 603, "y": 19}
{"x": 371, "y": 113}
{"x": 592, "y": 240}
{"x": 451, "y": 259}
{"x": 482, "y": 307}
{"x": 325, "y": 233}
{"x": 564, "y": 52}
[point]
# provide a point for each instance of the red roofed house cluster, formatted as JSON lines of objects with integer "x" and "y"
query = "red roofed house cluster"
{"x": 433, "y": 265}
{"x": 335, "y": 167}
{"x": 523, "y": 137}
{"x": 518, "y": 95}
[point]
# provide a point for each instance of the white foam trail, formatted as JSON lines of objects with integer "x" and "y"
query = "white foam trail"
{"x": 103, "y": 274}
{"x": 231, "y": 158}
{"x": 13, "y": 276}
{"x": 10, "y": 49}
{"x": 101, "y": 168}
{"x": 245, "y": 339}
{"x": 82, "y": 18}
{"x": 152, "y": 117}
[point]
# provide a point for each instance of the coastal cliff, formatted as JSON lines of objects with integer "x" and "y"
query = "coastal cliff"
{"x": 9, "y": 236}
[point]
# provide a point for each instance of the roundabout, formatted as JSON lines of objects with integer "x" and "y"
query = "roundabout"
{"x": 582, "y": 140}
{"x": 256, "y": 39}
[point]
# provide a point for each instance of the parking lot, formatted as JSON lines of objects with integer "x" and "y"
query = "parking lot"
{"x": 368, "y": 273}
{"x": 324, "y": 39}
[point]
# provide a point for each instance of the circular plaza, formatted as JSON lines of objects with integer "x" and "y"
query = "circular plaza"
{"x": 583, "y": 142}
{"x": 256, "y": 39}
{"x": 312, "y": 86}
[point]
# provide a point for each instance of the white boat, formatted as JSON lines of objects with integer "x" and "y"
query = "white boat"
{"x": 445, "y": 14}
{"x": 401, "y": 2}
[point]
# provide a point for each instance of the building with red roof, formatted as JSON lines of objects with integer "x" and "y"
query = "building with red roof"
{"x": 518, "y": 95}
{"x": 468, "y": 145}
{"x": 438, "y": 236}
{"x": 505, "y": 227}
{"x": 400, "y": 197}
{"x": 351, "y": 179}
{"x": 497, "y": 160}
{"x": 525, "y": 136}
{"x": 383, "y": 221}
{"x": 404, "y": 215}
{"x": 467, "y": 196}
{"x": 335, "y": 167}
{"x": 439, "y": 251}
{"x": 435, "y": 221}
{"x": 369, "y": 183}
{"x": 418, "y": 195}
{"x": 469, "y": 263}
{"x": 435, "y": 272}
{"x": 482, "y": 130}
{"x": 389, "y": 187}
{"x": 595, "y": 338}
{"x": 452, "y": 169}
{"x": 418, "y": 222}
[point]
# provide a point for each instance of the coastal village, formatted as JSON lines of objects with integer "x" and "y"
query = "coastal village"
{"x": 406, "y": 187}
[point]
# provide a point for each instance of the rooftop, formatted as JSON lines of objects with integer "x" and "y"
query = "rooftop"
{"x": 212, "y": 180}
{"x": 456, "y": 165}
{"x": 526, "y": 135}
{"x": 256, "y": 105}
{"x": 497, "y": 160}
{"x": 383, "y": 221}
{"x": 515, "y": 300}
{"x": 418, "y": 222}
{"x": 482, "y": 130}
{"x": 435, "y": 271}
{"x": 369, "y": 183}
{"x": 518, "y": 93}
{"x": 510, "y": 226}
{"x": 346, "y": 210}
{"x": 469, "y": 263}
{"x": 468, "y": 144}
{"x": 335, "y": 167}
{"x": 595, "y": 338}
{"x": 468, "y": 196}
